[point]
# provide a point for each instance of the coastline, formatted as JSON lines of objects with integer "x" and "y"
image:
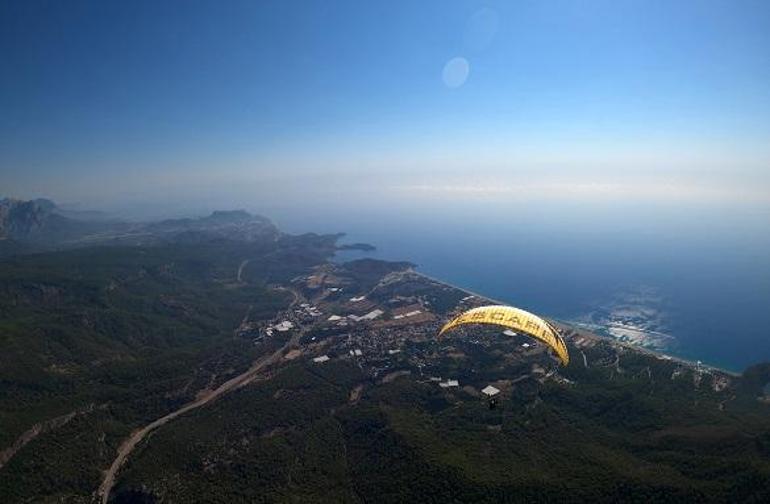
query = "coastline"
{"x": 562, "y": 324}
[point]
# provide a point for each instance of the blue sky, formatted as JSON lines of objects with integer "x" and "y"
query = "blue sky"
{"x": 150, "y": 101}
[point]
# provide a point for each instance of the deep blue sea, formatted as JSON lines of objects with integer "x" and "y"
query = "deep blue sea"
{"x": 693, "y": 281}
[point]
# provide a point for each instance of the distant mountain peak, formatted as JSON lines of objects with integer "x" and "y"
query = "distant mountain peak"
{"x": 19, "y": 218}
{"x": 230, "y": 215}
{"x": 41, "y": 223}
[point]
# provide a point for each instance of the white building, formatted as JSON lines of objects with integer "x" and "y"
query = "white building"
{"x": 369, "y": 316}
{"x": 284, "y": 326}
{"x": 372, "y": 315}
{"x": 490, "y": 391}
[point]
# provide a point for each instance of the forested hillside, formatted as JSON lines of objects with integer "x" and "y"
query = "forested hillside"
{"x": 97, "y": 341}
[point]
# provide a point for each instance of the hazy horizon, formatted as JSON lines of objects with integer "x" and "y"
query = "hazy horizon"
{"x": 149, "y": 109}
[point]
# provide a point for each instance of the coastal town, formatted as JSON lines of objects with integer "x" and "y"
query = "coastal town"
{"x": 388, "y": 327}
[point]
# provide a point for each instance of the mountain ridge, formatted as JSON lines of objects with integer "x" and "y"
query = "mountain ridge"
{"x": 39, "y": 225}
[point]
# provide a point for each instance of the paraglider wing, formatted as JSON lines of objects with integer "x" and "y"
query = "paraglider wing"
{"x": 516, "y": 319}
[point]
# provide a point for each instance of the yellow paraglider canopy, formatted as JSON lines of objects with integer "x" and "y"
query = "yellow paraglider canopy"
{"x": 516, "y": 319}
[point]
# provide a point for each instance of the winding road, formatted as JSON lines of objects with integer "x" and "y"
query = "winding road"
{"x": 240, "y": 269}
{"x": 248, "y": 376}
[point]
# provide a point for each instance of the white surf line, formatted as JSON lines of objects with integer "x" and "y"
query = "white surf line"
{"x": 581, "y": 326}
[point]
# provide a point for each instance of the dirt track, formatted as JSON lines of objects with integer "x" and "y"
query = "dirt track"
{"x": 137, "y": 436}
{"x": 37, "y": 429}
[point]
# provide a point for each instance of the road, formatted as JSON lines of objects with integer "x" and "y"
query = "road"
{"x": 248, "y": 376}
{"x": 40, "y": 428}
{"x": 240, "y": 269}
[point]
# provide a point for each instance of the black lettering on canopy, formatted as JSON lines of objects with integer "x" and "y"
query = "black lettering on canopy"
{"x": 513, "y": 319}
{"x": 478, "y": 316}
{"x": 497, "y": 315}
{"x": 532, "y": 324}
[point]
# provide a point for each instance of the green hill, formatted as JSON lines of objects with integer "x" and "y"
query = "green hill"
{"x": 99, "y": 342}
{"x": 123, "y": 335}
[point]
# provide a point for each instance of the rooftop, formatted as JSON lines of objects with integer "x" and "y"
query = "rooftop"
{"x": 490, "y": 391}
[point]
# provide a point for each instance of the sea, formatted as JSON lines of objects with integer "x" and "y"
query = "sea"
{"x": 688, "y": 280}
